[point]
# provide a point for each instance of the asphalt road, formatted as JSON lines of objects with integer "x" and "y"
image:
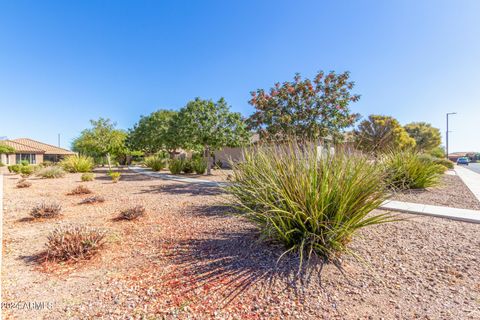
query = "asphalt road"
{"x": 474, "y": 167}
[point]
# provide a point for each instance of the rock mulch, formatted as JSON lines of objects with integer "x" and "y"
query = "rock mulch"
{"x": 187, "y": 258}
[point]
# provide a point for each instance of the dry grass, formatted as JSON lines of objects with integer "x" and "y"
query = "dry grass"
{"x": 132, "y": 213}
{"x": 79, "y": 190}
{"x": 23, "y": 183}
{"x": 46, "y": 210}
{"x": 93, "y": 200}
{"x": 74, "y": 242}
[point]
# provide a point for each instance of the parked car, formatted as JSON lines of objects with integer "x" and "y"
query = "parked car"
{"x": 463, "y": 160}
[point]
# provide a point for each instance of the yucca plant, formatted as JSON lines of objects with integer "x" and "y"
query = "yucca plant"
{"x": 312, "y": 203}
{"x": 406, "y": 169}
{"x": 77, "y": 163}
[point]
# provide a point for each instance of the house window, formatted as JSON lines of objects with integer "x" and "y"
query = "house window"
{"x": 30, "y": 157}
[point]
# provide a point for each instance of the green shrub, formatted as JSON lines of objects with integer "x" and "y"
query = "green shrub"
{"x": 87, "y": 176}
{"x": 51, "y": 172}
{"x": 15, "y": 168}
{"x": 47, "y": 163}
{"x": 175, "y": 166}
{"x": 74, "y": 243}
{"x": 444, "y": 162}
{"x": 410, "y": 170}
{"x": 188, "y": 166}
{"x": 77, "y": 164}
{"x": 115, "y": 176}
{"x": 26, "y": 171}
{"x": 199, "y": 166}
{"x": 156, "y": 163}
{"x": 312, "y": 205}
{"x": 24, "y": 162}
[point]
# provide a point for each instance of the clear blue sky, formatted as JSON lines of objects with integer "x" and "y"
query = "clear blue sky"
{"x": 65, "y": 62}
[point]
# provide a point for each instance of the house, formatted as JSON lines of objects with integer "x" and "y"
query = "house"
{"x": 473, "y": 156}
{"x": 33, "y": 151}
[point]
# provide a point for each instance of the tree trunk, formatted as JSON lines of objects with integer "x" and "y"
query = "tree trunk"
{"x": 209, "y": 164}
{"x": 109, "y": 162}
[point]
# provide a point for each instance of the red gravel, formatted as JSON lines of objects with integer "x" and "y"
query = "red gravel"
{"x": 188, "y": 259}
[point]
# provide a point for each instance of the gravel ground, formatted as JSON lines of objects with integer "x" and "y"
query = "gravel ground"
{"x": 189, "y": 259}
{"x": 452, "y": 192}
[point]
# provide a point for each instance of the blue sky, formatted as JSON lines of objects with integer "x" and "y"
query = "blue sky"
{"x": 65, "y": 62}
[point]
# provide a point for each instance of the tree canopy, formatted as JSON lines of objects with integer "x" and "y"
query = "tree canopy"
{"x": 152, "y": 133}
{"x": 426, "y": 137}
{"x": 6, "y": 149}
{"x": 209, "y": 125}
{"x": 305, "y": 108}
{"x": 381, "y": 133}
{"x": 101, "y": 140}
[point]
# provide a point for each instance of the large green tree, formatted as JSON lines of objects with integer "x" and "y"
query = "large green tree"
{"x": 152, "y": 133}
{"x": 6, "y": 149}
{"x": 426, "y": 136}
{"x": 305, "y": 108}
{"x": 382, "y": 133}
{"x": 101, "y": 140}
{"x": 209, "y": 125}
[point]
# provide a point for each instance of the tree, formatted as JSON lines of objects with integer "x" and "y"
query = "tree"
{"x": 210, "y": 126}
{"x": 381, "y": 133}
{"x": 426, "y": 136}
{"x": 151, "y": 133}
{"x": 6, "y": 149}
{"x": 102, "y": 140}
{"x": 438, "y": 152}
{"x": 305, "y": 108}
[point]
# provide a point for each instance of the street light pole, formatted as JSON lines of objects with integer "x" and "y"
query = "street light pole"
{"x": 446, "y": 136}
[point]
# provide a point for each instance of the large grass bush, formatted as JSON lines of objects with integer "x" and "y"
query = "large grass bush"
{"x": 410, "y": 170}
{"x": 199, "y": 166}
{"x": 311, "y": 204}
{"x": 156, "y": 163}
{"x": 175, "y": 166}
{"x": 77, "y": 164}
{"x": 51, "y": 172}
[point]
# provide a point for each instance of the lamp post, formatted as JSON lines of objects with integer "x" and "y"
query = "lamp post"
{"x": 446, "y": 137}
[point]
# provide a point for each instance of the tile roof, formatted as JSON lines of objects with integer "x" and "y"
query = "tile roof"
{"x": 20, "y": 147}
{"x": 46, "y": 148}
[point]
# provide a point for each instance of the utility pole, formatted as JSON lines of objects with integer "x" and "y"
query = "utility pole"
{"x": 446, "y": 136}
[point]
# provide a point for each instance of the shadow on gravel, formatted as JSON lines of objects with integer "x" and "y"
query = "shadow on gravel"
{"x": 224, "y": 266}
{"x": 184, "y": 189}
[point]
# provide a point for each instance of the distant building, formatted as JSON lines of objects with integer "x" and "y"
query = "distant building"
{"x": 473, "y": 156}
{"x": 33, "y": 151}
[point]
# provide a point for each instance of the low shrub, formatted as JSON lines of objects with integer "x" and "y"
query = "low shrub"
{"x": 46, "y": 210}
{"x": 444, "y": 162}
{"x": 199, "y": 166}
{"x": 93, "y": 200}
{"x": 24, "y": 163}
{"x": 87, "y": 176}
{"x": 410, "y": 170}
{"x": 312, "y": 204}
{"x": 74, "y": 243}
{"x": 27, "y": 171}
{"x": 132, "y": 213}
{"x": 156, "y": 163}
{"x": 115, "y": 176}
{"x": 47, "y": 163}
{"x": 175, "y": 166}
{"x": 14, "y": 168}
{"x": 188, "y": 166}
{"x": 51, "y": 172}
{"x": 77, "y": 164}
{"x": 79, "y": 190}
{"x": 23, "y": 183}
{"x": 2, "y": 164}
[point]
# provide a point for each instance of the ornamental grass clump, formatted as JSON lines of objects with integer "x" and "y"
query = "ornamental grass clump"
{"x": 410, "y": 170}
{"x": 156, "y": 163}
{"x": 87, "y": 176}
{"x": 51, "y": 172}
{"x": 74, "y": 243}
{"x": 175, "y": 166}
{"x": 313, "y": 204}
{"x": 46, "y": 210}
{"x": 77, "y": 164}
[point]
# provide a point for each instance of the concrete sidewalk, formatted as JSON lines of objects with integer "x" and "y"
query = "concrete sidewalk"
{"x": 471, "y": 179}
